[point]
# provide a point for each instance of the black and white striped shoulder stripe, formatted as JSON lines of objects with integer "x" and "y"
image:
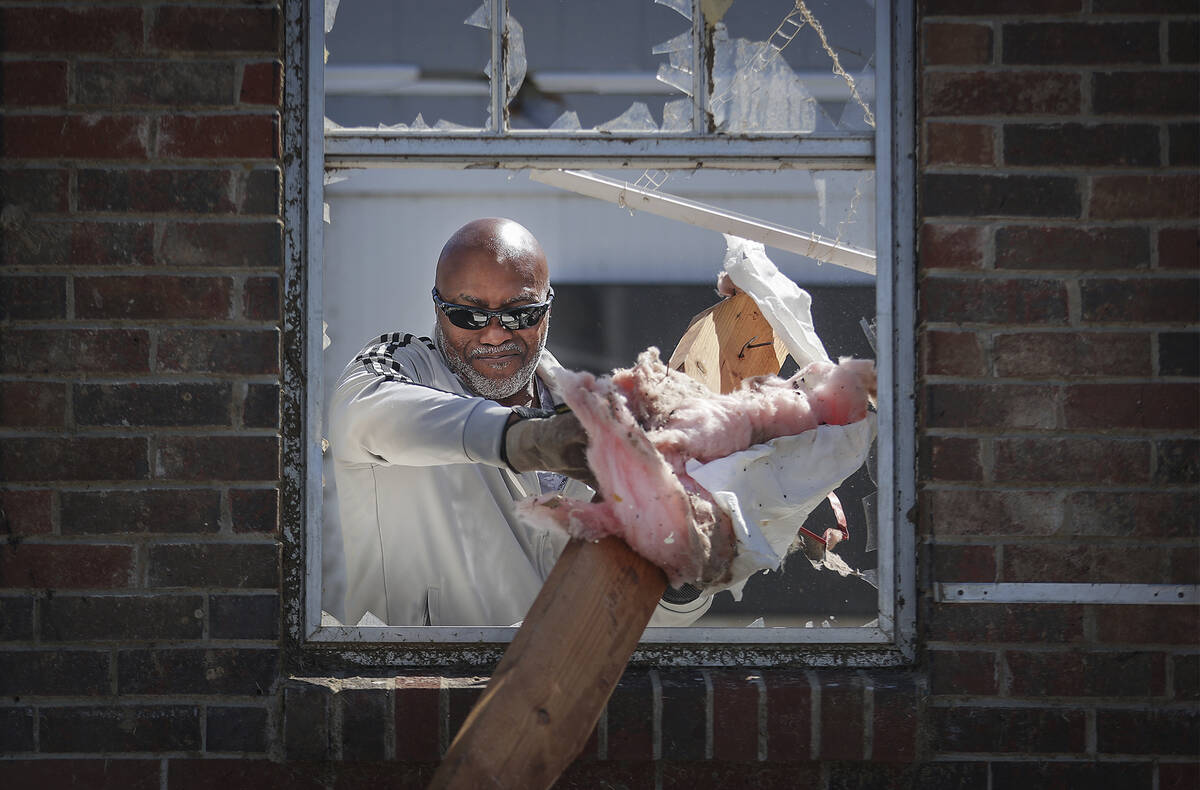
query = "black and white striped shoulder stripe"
{"x": 380, "y": 359}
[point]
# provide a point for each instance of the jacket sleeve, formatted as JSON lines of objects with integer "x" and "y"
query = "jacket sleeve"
{"x": 383, "y": 412}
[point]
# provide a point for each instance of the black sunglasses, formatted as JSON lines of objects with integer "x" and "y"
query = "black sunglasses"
{"x": 512, "y": 319}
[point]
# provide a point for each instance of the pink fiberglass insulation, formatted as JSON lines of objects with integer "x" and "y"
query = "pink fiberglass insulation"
{"x": 646, "y": 422}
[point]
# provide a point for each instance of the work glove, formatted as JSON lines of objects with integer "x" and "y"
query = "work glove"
{"x": 545, "y": 441}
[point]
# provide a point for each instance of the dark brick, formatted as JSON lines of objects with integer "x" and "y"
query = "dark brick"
{"x": 1031, "y": 247}
{"x": 364, "y": 723}
{"x": 683, "y": 715}
{"x": 994, "y": 622}
{"x": 16, "y": 735}
{"x": 1144, "y": 7}
{"x": 735, "y": 707}
{"x": 145, "y": 511}
{"x": 25, "y": 512}
{"x": 1183, "y": 144}
{"x": 235, "y": 729}
{"x": 714, "y": 775}
{"x": 261, "y": 298}
{"x": 959, "y": 144}
{"x": 1179, "y": 354}
{"x": 111, "y": 244}
{"x": 1178, "y": 776}
{"x": 33, "y": 83}
{"x": 964, "y": 563}
{"x": 16, "y": 619}
{"x": 217, "y": 458}
{"x": 134, "y": 728}
{"x": 264, "y": 774}
{"x": 956, "y": 672}
{"x": 32, "y": 404}
{"x": 1148, "y": 625}
{"x": 262, "y": 83}
{"x": 461, "y": 696}
{"x": 1187, "y": 677}
{"x": 73, "y": 459}
{"x": 1080, "y": 42}
{"x": 120, "y": 618}
{"x": 950, "y": 458}
{"x": 75, "y": 673}
{"x": 191, "y": 403}
{"x": 1179, "y": 248}
{"x": 1114, "y": 406}
{"x": 1184, "y": 563}
{"x": 1163, "y": 731}
{"x": 417, "y": 718}
{"x": 953, "y": 354}
{"x": 990, "y": 406}
{"x": 226, "y": 671}
{"x": 1142, "y": 514}
{"x": 34, "y": 189}
{"x": 1177, "y": 461}
{"x": 1086, "y": 674}
{"x": 306, "y": 721}
{"x": 153, "y": 297}
{"x": 1022, "y": 776}
{"x": 1139, "y": 300}
{"x": 789, "y": 717}
{"x": 1001, "y": 93}
{"x": 1183, "y": 41}
{"x": 1167, "y": 196}
{"x": 71, "y": 30}
{"x": 199, "y": 191}
{"x": 261, "y": 408}
{"x": 218, "y": 137}
{"x": 82, "y": 774}
{"x": 57, "y": 137}
{"x": 32, "y": 298}
{"x": 1074, "y": 354}
{"x": 952, "y": 246}
{"x": 884, "y": 776}
{"x": 214, "y": 565}
{"x": 244, "y": 616}
{"x": 631, "y": 719}
{"x": 1010, "y": 730}
{"x": 255, "y": 510}
{"x": 1000, "y": 7}
{"x": 993, "y": 301}
{"x": 215, "y": 29}
{"x": 950, "y": 44}
{"x": 255, "y": 244}
{"x": 219, "y": 351}
{"x": 972, "y": 195}
{"x": 139, "y": 83}
{"x": 31, "y": 242}
{"x": 65, "y": 566}
{"x": 896, "y": 728}
{"x": 1081, "y": 460}
{"x": 842, "y": 717}
{"x": 1146, "y": 93}
{"x": 1077, "y": 145}
{"x": 75, "y": 351}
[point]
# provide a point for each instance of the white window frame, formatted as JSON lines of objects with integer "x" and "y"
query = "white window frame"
{"x": 309, "y": 149}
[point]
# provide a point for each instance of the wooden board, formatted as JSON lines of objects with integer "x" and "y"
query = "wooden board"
{"x": 727, "y": 343}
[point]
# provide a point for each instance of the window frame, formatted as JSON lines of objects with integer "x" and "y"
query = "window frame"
{"x": 309, "y": 149}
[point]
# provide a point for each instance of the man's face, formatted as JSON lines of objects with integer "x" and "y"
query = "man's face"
{"x": 495, "y": 362}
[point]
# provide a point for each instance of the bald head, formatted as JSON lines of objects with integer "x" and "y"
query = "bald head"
{"x": 505, "y": 247}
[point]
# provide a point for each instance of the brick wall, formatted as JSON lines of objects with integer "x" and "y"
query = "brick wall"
{"x": 140, "y": 585}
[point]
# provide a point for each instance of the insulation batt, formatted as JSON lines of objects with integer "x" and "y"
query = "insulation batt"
{"x": 645, "y": 422}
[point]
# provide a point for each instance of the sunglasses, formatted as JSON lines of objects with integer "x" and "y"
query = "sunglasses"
{"x": 512, "y": 319}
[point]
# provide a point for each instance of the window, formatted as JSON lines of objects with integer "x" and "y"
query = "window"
{"x": 770, "y": 111}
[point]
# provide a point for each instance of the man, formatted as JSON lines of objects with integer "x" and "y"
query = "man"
{"x": 433, "y": 440}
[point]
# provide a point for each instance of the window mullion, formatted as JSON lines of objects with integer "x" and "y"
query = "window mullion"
{"x": 498, "y": 117}
{"x": 700, "y": 75}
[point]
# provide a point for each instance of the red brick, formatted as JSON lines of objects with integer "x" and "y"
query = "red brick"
{"x": 25, "y": 512}
{"x": 261, "y": 298}
{"x": 1013, "y": 730}
{"x": 1174, "y": 731}
{"x": 219, "y": 136}
{"x": 34, "y": 189}
{"x": 1074, "y": 460}
{"x": 219, "y": 351}
{"x": 1074, "y": 563}
{"x": 255, "y": 510}
{"x": 1080, "y": 42}
{"x": 74, "y": 136}
{"x": 200, "y": 29}
{"x": 135, "y": 774}
{"x": 32, "y": 298}
{"x": 735, "y": 714}
{"x": 255, "y": 244}
{"x": 72, "y": 30}
{"x": 1142, "y": 514}
{"x": 1147, "y": 625}
{"x": 33, "y": 83}
{"x": 1002, "y": 93}
{"x": 1143, "y": 300}
{"x": 153, "y": 297}
{"x": 217, "y": 458}
{"x": 988, "y": 513}
{"x": 952, "y": 246}
{"x": 985, "y": 623}
{"x": 65, "y": 566}
{"x": 1146, "y": 93}
{"x": 953, "y": 563}
{"x": 990, "y": 406}
{"x": 36, "y": 243}
{"x": 30, "y": 404}
{"x": 1179, "y": 248}
{"x": 417, "y": 719}
{"x": 1071, "y": 354}
{"x": 262, "y": 83}
{"x": 950, "y": 458}
{"x": 956, "y": 672}
{"x": 959, "y": 144}
{"x": 953, "y": 354}
{"x": 1033, "y": 247}
{"x": 140, "y": 512}
{"x": 1156, "y": 405}
{"x": 111, "y": 244}
{"x": 1165, "y": 196}
{"x": 789, "y": 717}
{"x": 897, "y": 721}
{"x": 75, "y": 350}
{"x": 142, "y": 83}
{"x": 193, "y": 191}
{"x": 1079, "y": 145}
{"x": 950, "y": 44}
{"x": 993, "y": 301}
{"x": 45, "y": 459}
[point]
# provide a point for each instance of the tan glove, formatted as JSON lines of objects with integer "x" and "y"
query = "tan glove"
{"x": 557, "y": 443}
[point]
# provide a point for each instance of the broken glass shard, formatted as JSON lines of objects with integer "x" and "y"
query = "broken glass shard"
{"x": 636, "y": 119}
{"x": 331, "y": 8}
{"x": 677, "y": 115}
{"x": 567, "y": 122}
{"x": 682, "y": 7}
{"x": 753, "y": 91}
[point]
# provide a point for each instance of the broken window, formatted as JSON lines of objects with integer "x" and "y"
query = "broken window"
{"x": 628, "y": 137}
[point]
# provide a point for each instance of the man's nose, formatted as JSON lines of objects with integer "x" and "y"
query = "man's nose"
{"x": 494, "y": 334}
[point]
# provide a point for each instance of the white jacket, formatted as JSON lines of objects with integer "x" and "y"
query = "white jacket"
{"x": 426, "y": 504}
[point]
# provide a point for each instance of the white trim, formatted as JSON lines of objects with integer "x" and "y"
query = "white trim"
{"x": 1066, "y": 592}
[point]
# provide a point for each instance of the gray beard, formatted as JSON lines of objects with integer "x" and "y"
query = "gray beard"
{"x": 492, "y": 389}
